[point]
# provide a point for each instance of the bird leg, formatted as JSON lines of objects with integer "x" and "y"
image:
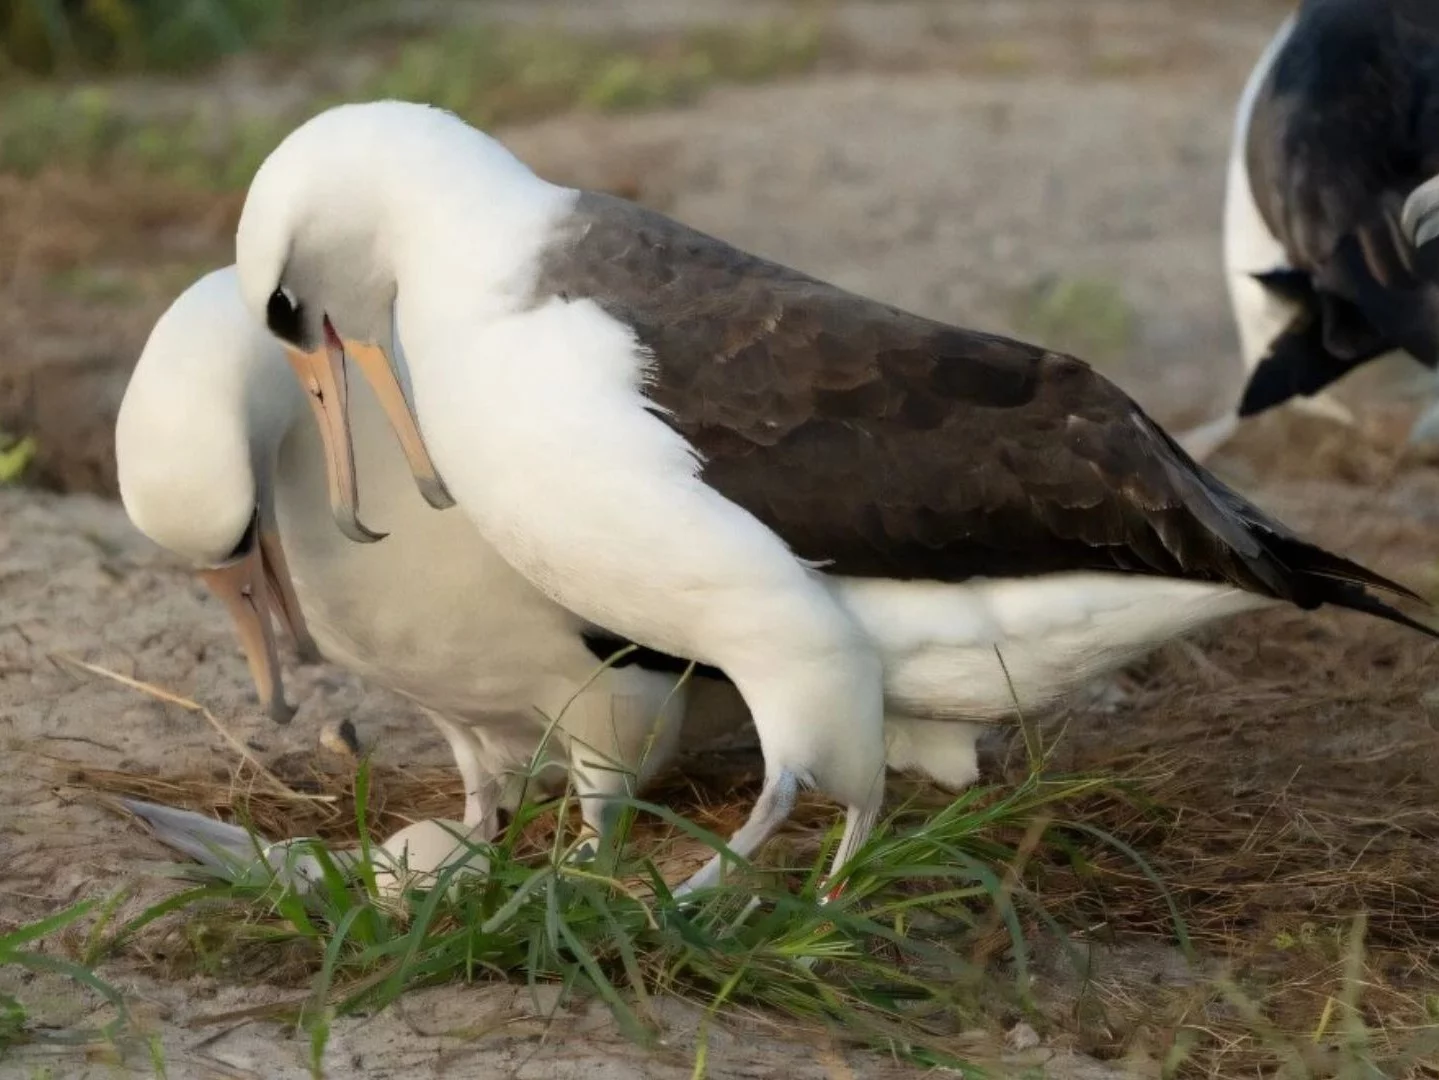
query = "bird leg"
{"x": 617, "y": 735}
{"x": 858, "y": 824}
{"x": 771, "y": 810}
{"x": 598, "y": 787}
{"x": 482, "y": 788}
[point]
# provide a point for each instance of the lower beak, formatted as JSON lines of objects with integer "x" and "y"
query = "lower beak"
{"x": 375, "y": 367}
{"x": 282, "y": 595}
{"x": 241, "y": 587}
{"x": 322, "y": 374}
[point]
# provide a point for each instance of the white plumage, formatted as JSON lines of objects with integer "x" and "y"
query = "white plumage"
{"x": 213, "y": 424}
{"x": 538, "y": 411}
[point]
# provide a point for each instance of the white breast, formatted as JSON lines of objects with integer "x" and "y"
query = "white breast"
{"x": 431, "y": 611}
{"x": 1249, "y": 247}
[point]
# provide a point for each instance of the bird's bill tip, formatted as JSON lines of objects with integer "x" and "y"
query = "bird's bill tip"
{"x": 321, "y": 372}
{"x": 241, "y": 587}
{"x": 1420, "y": 218}
{"x": 375, "y": 366}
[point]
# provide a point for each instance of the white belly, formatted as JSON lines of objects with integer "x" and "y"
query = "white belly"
{"x": 942, "y": 645}
{"x": 431, "y": 611}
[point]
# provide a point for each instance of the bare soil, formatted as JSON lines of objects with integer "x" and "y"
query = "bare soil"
{"x": 957, "y": 160}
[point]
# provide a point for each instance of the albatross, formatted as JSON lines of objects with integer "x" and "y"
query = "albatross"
{"x": 219, "y": 463}
{"x": 1337, "y": 126}
{"x": 843, "y": 507}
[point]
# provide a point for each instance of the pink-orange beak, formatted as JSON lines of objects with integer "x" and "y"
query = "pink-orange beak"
{"x": 252, "y": 587}
{"x": 282, "y": 595}
{"x": 322, "y": 373}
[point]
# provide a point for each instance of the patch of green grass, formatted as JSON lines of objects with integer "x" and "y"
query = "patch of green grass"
{"x": 17, "y": 1025}
{"x": 99, "y": 285}
{"x": 15, "y": 457}
{"x": 48, "y": 36}
{"x": 488, "y": 74}
{"x": 87, "y": 129}
{"x": 41, "y": 124}
{"x": 1089, "y": 317}
{"x": 494, "y": 74}
{"x": 897, "y": 962}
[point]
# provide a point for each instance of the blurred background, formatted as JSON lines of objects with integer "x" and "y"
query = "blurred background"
{"x": 1041, "y": 167}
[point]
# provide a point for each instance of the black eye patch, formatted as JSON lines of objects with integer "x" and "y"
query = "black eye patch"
{"x": 284, "y": 317}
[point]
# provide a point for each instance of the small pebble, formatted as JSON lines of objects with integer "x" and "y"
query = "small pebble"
{"x": 339, "y": 737}
{"x": 1022, "y": 1037}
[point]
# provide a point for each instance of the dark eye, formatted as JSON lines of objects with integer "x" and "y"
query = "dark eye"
{"x": 283, "y": 317}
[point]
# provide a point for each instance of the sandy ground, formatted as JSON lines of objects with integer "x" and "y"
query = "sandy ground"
{"x": 970, "y": 154}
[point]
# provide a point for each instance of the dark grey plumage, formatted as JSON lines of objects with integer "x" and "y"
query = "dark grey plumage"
{"x": 1345, "y": 126}
{"x": 889, "y": 445}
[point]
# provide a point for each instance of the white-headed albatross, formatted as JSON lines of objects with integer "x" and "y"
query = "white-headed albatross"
{"x": 220, "y": 463}
{"x": 1337, "y": 126}
{"x": 724, "y": 459}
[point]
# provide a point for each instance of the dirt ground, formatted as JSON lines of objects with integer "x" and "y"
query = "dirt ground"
{"x": 962, "y": 159}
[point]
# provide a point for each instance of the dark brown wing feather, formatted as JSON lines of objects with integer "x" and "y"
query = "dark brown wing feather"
{"x": 890, "y": 445}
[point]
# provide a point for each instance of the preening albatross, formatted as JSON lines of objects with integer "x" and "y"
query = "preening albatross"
{"x": 1337, "y": 126}
{"x": 829, "y": 499}
{"x": 220, "y": 463}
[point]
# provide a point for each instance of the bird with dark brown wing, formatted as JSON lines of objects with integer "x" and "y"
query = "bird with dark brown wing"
{"x": 883, "y": 529}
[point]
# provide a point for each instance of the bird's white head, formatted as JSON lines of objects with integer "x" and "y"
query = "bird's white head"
{"x": 202, "y": 417}
{"x": 333, "y": 219}
{"x": 201, "y": 422}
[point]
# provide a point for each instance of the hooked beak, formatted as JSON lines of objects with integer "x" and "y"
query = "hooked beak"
{"x": 1420, "y": 218}
{"x": 375, "y": 366}
{"x": 322, "y": 373}
{"x": 241, "y": 585}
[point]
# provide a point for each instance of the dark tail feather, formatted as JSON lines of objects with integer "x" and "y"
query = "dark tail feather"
{"x": 1314, "y": 561}
{"x": 1326, "y": 578}
{"x": 1283, "y": 565}
{"x": 1342, "y": 594}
